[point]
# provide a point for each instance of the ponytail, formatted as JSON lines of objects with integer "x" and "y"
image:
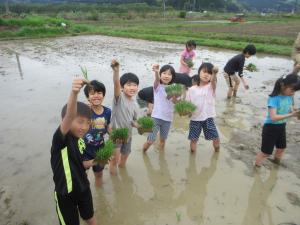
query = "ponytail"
{"x": 286, "y": 80}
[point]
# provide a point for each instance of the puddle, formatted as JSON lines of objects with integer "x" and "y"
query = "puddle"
{"x": 171, "y": 187}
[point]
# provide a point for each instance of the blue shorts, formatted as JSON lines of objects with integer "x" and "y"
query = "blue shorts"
{"x": 89, "y": 154}
{"x": 162, "y": 126}
{"x": 209, "y": 129}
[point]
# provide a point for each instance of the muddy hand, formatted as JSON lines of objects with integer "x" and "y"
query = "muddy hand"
{"x": 155, "y": 68}
{"x": 247, "y": 87}
{"x": 115, "y": 64}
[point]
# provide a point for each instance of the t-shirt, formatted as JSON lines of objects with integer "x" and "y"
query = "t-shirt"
{"x": 204, "y": 98}
{"x": 66, "y": 162}
{"x": 124, "y": 112}
{"x": 186, "y": 55}
{"x": 163, "y": 107}
{"x": 282, "y": 104}
{"x": 95, "y": 136}
{"x": 235, "y": 64}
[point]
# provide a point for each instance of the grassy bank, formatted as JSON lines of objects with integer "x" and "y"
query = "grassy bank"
{"x": 215, "y": 34}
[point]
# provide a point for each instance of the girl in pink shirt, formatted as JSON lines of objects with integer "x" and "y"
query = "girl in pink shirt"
{"x": 187, "y": 55}
{"x": 203, "y": 96}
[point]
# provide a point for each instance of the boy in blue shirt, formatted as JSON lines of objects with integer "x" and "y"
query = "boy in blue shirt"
{"x": 94, "y": 138}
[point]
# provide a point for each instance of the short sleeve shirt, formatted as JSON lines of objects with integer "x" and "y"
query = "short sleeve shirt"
{"x": 66, "y": 162}
{"x": 282, "y": 104}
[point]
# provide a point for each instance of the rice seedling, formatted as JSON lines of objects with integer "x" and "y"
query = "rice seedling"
{"x": 84, "y": 72}
{"x": 103, "y": 154}
{"x": 185, "y": 108}
{"x": 174, "y": 90}
{"x": 178, "y": 216}
{"x": 189, "y": 62}
{"x": 251, "y": 67}
{"x": 119, "y": 135}
{"x": 146, "y": 124}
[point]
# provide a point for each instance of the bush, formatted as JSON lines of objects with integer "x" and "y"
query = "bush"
{"x": 182, "y": 14}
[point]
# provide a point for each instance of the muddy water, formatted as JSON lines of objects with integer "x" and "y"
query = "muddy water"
{"x": 170, "y": 187}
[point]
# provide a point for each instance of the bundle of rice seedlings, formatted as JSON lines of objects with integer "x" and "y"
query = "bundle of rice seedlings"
{"x": 119, "y": 135}
{"x": 103, "y": 154}
{"x": 185, "y": 108}
{"x": 85, "y": 75}
{"x": 189, "y": 62}
{"x": 146, "y": 124}
{"x": 251, "y": 67}
{"x": 174, "y": 90}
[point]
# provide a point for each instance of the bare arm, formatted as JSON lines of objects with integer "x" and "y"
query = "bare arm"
{"x": 116, "y": 78}
{"x": 246, "y": 86}
{"x": 275, "y": 117}
{"x": 155, "y": 69}
{"x": 214, "y": 78}
{"x": 182, "y": 61}
{"x": 71, "y": 106}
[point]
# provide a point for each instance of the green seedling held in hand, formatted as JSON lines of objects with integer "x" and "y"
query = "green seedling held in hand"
{"x": 185, "y": 108}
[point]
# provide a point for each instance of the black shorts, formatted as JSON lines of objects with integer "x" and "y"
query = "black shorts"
{"x": 67, "y": 207}
{"x": 273, "y": 135}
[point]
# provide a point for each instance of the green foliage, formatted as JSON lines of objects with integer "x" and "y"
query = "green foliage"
{"x": 104, "y": 153}
{"x": 146, "y": 122}
{"x": 182, "y": 14}
{"x": 174, "y": 90}
{"x": 185, "y": 108}
{"x": 190, "y": 63}
{"x": 84, "y": 72}
{"x": 178, "y": 216}
{"x": 119, "y": 134}
{"x": 251, "y": 67}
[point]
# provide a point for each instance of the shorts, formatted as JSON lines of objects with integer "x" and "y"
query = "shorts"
{"x": 162, "y": 126}
{"x": 273, "y": 135}
{"x": 125, "y": 148}
{"x": 89, "y": 154}
{"x": 68, "y": 206}
{"x": 209, "y": 129}
{"x": 232, "y": 80}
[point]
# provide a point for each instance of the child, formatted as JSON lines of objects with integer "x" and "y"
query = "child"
{"x": 187, "y": 55}
{"x": 236, "y": 64}
{"x": 124, "y": 112}
{"x": 72, "y": 188}
{"x": 94, "y": 139}
{"x": 195, "y": 80}
{"x": 280, "y": 108}
{"x": 296, "y": 55}
{"x": 162, "y": 113}
{"x": 204, "y": 96}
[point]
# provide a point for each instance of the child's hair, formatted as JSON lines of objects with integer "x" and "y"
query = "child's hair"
{"x": 166, "y": 68}
{"x": 191, "y": 43}
{"x": 95, "y": 86}
{"x": 289, "y": 80}
{"x": 250, "y": 49}
{"x": 297, "y": 86}
{"x": 195, "y": 78}
{"x": 82, "y": 110}
{"x": 129, "y": 77}
{"x": 206, "y": 67}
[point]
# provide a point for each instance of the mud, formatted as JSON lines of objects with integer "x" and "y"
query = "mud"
{"x": 170, "y": 187}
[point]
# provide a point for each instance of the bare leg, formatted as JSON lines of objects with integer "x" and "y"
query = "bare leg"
{"x": 278, "y": 155}
{"x": 91, "y": 221}
{"x": 216, "y": 144}
{"x": 123, "y": 160}
{"x": 162, "y": 144}
{"x": 147, "y": 146}
{"x": 193, "y": 145}
{"x": 98, "y": 179}
{"x": 114, "y": 162}
{"x": 260, "y": 158}
{"x": 229, "y": 93}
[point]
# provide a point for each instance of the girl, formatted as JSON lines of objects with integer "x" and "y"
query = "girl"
{"x": 203, "y": 95}
{"x": 280, "y": 108}
{"x": 162, "y": 113}
{"x": 187, "y": 55}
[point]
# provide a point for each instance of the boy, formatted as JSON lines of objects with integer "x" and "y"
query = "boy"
{"x": 124, "y": 112}
{"x": 236, "y": 64}
{"x": 94, "y": 139}
{"x": 72, "y": 188}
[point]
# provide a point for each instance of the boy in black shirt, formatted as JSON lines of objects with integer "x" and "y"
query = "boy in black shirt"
{"x": 236, "y": 64}
{"x": 72, "y": 188}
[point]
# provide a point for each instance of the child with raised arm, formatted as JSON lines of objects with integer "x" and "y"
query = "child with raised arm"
{"x": 124, "y": 112}
{"x": 163, "y": 107}
{"x": 280, "y": 109}
{"x": 203, "y": 96}
{"x": 236, "y": 64}
{"x": 94, "y": 138}
{"x": 187, "y": 57}
{"x": 72, "y": 189}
